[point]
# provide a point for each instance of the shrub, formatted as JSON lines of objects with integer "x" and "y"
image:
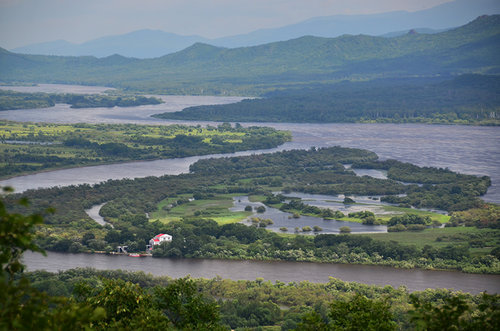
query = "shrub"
{"x": 345, "y": 229}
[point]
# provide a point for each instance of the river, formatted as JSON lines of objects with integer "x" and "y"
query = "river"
{"x": 414, "y": 280}
{"x": 466, "y": 149}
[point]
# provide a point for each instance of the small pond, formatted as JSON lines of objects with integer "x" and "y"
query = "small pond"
{"x": 285, "y": 220}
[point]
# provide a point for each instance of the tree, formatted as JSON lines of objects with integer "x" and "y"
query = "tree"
{"x": 16, "y": 236}
{"x": 124, "y": 303}
{"x": 359, "y": 313}
{"x": 348, "y": 200}
{"x": 345, "y": 229}
{"x": 456, "y": 314}
{"x": 186, "y": 308}
{"x": 22, "y": 307}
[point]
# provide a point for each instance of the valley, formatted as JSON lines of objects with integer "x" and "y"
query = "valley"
{"x": 323, "y": 181}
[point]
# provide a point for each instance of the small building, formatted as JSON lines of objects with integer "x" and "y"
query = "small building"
{"x": 122, "y": 249}
{"x": 158, "y": 239}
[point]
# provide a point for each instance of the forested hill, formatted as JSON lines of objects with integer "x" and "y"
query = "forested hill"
{"x": 205, "y": 69}
{"x": 467, "y": 99}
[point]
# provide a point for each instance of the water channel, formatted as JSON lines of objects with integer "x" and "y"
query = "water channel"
{"x": 282, "y": 220}
{"x": 414, "y": 280}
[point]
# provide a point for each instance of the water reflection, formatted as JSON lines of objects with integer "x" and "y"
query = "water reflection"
{"x": 283, "y": 220}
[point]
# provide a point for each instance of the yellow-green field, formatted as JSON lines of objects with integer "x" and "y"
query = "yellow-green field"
{"x": 441, "y": 237}
{"x": 216, "y": 208}
{"x": 109, "y": 132}
{"x": 33, "y": 147}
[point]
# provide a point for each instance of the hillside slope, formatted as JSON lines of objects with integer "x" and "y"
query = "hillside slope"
{"x": 206, "y": 69}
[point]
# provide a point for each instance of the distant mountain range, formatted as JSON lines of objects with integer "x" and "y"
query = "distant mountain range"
{"x": 156, "y": 43}
{"x": 211, "y": 70}
{"x": 138, "y": 44}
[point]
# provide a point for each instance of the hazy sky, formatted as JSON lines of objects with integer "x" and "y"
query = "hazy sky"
{"x": 29, "y": 21}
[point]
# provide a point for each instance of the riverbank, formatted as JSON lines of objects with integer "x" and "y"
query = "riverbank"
{"x": 413, "y": 280}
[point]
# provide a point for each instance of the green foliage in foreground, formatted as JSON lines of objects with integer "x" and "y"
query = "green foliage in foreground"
{"x": 20, "y": 100}
{"x": 103, "y": 300}
{"x": 21, "y": 306}
{"x": 302, "y": 306}
{"x": 360, "y": 313}
{"x": 468, "y": 99}
{"x": 31, "y": 147}
{"x": 110, "y": 304}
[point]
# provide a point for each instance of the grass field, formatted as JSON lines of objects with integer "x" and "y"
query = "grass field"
{"x": 479, "y": 239}
{"x": 398, "y": 210}
{"x": 33, "y": 147}
{"x": 216, "y": 208}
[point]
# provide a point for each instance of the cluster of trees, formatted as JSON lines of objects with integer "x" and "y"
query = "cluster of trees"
{"x": 297, "y": 206}
{"x": 21, "y": 100}
{"x": 410, "y": 222}
{"x": 487, "y": 216}
{"x": 467, "y": 99}
{"x": 439, "y": 188}
{"x": 330, "y": 158}
{"x": 199, "y": 238}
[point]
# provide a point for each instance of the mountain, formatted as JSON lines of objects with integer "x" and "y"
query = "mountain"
{"x": 139, "y": 44}
{"x": 207, "y": 69}
{"x": 155, "y": 43}
{"x": 416, "y": 30}
{"x": 444, "y": 16}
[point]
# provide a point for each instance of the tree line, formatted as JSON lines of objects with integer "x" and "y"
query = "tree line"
{"x": 10, "y": 100}
{"x": 467, "y": 99}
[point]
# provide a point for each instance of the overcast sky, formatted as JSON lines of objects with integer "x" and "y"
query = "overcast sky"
{"x": 24, "y": 22}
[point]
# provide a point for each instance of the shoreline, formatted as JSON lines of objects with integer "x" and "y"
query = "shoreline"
{"x": 270, "y": 260}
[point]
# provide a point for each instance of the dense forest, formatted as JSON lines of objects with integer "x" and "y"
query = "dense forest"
{"x": 467, "y": 99}
{"x": 20, "y": 100}
{"x": 31, "y": 147}
{"x": 313, "y": 171}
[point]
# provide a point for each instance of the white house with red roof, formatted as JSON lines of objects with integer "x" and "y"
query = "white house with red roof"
{"x": 158, "y": 239}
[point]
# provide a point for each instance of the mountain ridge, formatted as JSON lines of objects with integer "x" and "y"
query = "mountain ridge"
{"x": 158, "y": 43}
{"x": 207, "y": 69}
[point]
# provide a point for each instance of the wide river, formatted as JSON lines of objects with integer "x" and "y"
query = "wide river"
{"x": 414, "y": 280}
{"x": 466, "y": 149}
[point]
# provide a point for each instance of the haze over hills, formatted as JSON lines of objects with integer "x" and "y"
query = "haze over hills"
{"x": 206, "y": 69}
{"x": 155, "y": 43}
{"x": 448, "y": 15}
{"x": 139, "y": 44}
